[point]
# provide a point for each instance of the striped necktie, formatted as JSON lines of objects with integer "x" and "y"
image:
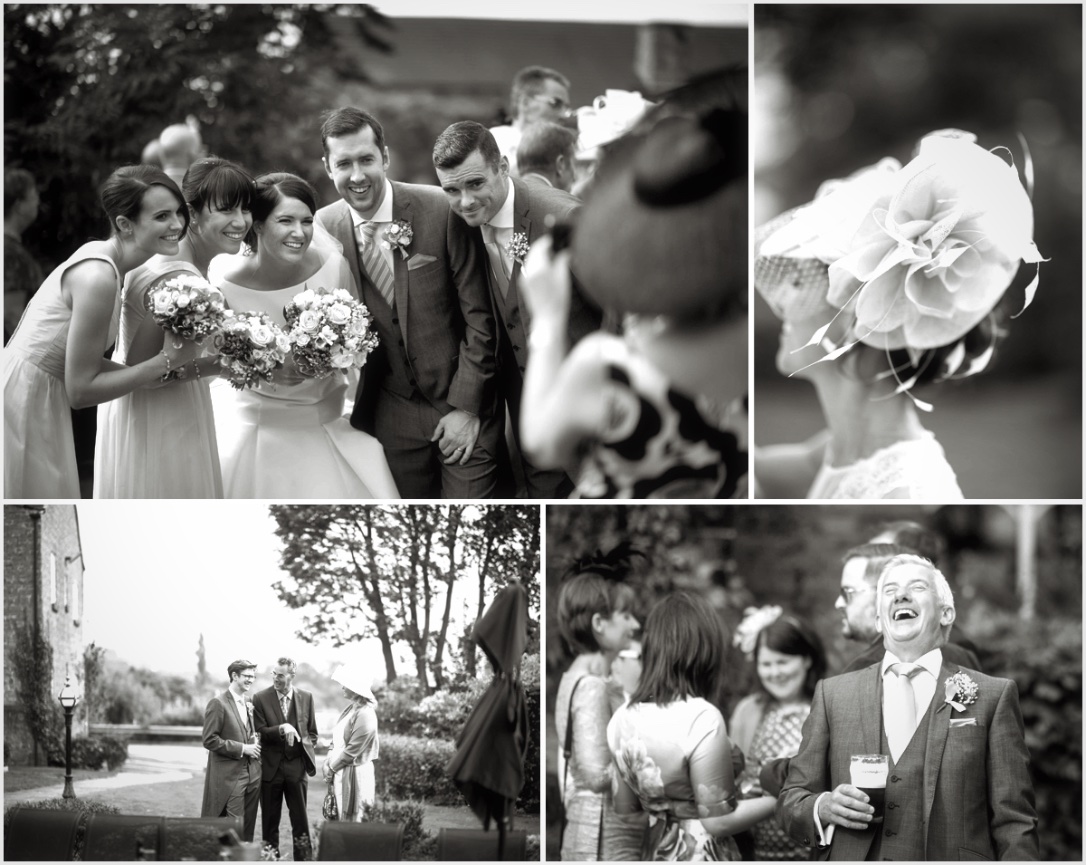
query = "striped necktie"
{"x": 497, "y": 260}
{"x": 374, "y": 263}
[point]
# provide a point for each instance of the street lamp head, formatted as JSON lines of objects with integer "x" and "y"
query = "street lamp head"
{"x": 68, "y": 696}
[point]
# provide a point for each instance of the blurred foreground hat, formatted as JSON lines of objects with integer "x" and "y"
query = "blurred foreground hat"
{"x": 608, "y": 118}
{"x": 664, "y": 230}
{"x": 910, "y": 257}
{"x": 355, "y": 679}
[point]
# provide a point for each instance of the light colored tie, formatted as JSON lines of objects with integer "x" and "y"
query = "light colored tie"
{"x": 284, "y": 701}
{"x": 375, "y": 264}
{"x": 497, "y": 260}
{"x": 901, "y": 724}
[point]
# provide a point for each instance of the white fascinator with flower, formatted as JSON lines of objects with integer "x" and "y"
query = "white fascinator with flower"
{"x": 911, "y": 257}
{"x": 755, "y": 620}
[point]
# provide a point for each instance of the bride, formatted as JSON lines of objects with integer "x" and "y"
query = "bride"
{"x": 288, "y": 438}
{"x": 886, "y": 282}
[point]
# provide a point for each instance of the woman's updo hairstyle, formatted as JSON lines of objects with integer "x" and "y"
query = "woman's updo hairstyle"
{"x": 272, "y": 188}
{"x": 121, "y": 194}
{"x": 594, "y": 584}
{"x": 217, "y": 184}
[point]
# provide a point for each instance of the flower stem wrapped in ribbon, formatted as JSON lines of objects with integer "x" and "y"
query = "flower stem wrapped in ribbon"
{"x": 329, "y": 331}
{"x": 186, "y": 305}
{"x": 913, "y": 256}
{"x": 251, "y": 347}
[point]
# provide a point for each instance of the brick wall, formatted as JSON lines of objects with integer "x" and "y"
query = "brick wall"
{"x": 57, "y": 590}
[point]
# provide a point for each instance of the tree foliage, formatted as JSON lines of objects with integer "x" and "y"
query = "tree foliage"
{"x": 362, "y": 571}
{"x": 87, "y": 86}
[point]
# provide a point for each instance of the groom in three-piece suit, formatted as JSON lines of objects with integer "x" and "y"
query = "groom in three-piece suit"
{"x": 500, "y": 209}
{"x": 427, "y": 390}
{"x": 958, "y": 784}
{"x": 284, "y": 720}
{"x": 232, "y": 779}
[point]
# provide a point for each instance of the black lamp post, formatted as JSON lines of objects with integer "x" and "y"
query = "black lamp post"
{"x": 68, "y": 698}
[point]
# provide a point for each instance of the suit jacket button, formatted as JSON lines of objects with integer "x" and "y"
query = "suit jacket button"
{"x": 395, "y": 320}
{"x": 516, "y": 347}
{"x": 401, "y": 342}
{"x": 412, "y": 382}
{"x": 891, "y": 805}
{"x": 894, "y": 778}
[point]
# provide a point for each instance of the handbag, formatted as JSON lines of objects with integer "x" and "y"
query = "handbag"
{"x": 330, "y": 809}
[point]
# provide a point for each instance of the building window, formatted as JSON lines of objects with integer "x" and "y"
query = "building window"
{"x": 77, "y": 598}
{"x": 53, "y": 580}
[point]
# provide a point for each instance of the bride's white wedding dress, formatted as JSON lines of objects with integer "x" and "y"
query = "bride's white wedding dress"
{"x": 918, "y": 468}
{"x": 284, "y": 440}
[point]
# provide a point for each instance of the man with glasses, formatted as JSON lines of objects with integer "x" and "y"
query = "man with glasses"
{"x": 232, "y": 780}
{"x": 287, "y": 756}
{"x": 538, "y": 94}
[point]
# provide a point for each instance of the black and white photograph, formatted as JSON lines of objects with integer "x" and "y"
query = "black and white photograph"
{"x": 918, "y": 251}
{"x": 338, "y": 251}
{"x": 351, "y": 682}
{"x": 788, "y": 682}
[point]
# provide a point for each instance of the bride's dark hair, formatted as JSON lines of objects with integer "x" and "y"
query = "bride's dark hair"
{"x": 272, "y": 188}
{"x": 218, "y": 183}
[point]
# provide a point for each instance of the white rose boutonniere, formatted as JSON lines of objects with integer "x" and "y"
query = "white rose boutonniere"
{"x": 961, "y": 691}
{"x": 398, "y": 237}
{"x": 518, "y": 246}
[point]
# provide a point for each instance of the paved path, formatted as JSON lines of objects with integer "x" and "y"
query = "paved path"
{"x": 146, "y": 764}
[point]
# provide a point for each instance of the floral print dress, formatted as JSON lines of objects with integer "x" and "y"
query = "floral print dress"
{"x": 675, "y": 762}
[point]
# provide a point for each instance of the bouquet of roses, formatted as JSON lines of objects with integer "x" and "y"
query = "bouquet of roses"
{"x": 251, "y": 347}
{"x": 187, "y": 305}
{"x": 329, "y": 330}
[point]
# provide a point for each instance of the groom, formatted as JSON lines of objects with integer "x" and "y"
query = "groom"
{"x": 506, "y": 215}
{"x": 427, "y": 390}
{"x": 958, "y": 784}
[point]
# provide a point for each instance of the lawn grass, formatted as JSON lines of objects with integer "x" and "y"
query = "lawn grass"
{"x": 18, "y": 778}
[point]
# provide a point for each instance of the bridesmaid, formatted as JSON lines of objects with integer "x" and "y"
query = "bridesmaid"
{"x": 55, "y": 360}
{"x": 161, "y": 443}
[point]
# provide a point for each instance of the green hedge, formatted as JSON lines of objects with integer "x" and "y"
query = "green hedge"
{"x": 414, "y": 768}
{"x": 1045, "y": 661}
{"x": 95, "y": 752}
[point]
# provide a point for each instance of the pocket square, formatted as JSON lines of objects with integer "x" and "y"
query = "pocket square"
{"x": 420, "y": 260}
{"x": 962, "y": 722}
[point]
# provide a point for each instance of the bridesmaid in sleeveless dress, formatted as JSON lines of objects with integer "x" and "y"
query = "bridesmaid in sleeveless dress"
{"x": 161, "y": 443}
{"x": 288, "y": 438}
{"x": 55, "y": 360}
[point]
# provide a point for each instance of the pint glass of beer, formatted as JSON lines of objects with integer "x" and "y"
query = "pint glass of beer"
{"x": 869, "y": 773}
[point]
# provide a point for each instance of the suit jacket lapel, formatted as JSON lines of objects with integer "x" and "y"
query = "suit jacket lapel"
{"x": 401, "y": 209}
{"x": 228, "y": 698}
{"x": 522, "y": 224}
{"x": 871, "y": 721}
{"x": 939, "y": 727}
{"x": 342, "y": 229}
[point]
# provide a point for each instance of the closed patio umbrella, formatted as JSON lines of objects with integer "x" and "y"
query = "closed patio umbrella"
{"x": 488, "y": 766}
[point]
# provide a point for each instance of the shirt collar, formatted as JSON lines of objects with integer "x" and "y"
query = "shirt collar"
{"x": 932, "y": 662}
{"x": 504, "y": 218}
{"x": 289, "y": 694}
{"x": 383, "y": 214}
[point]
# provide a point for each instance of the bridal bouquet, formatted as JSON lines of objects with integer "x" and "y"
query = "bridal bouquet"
{"x": 251, "y": 347}
{"x": 187, "y": 305}
{"x": 329, "y": 331}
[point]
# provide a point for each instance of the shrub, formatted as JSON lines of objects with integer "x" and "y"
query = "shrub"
{"x": 414, "y": 768}
{"x": 192, "y": 716}
{"x": 397, "y": 702}
{"x": 410, "y": 814}
{"x": 93, "y": 752}
{"x": 531, "y": 853}
{"x": 529, "y": 793}
{"x": 85, "y": 807}
{"x": 444, "y": 712}
{"x": 1045, "y": 661}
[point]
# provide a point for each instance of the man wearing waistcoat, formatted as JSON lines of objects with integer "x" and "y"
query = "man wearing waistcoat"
{"x": 232, "y": 778}
{"x": 958, "y": 785}
{"x": 284, "y": 720}
{"x": 427, "y": 393}
{"x": 506, "y": 215}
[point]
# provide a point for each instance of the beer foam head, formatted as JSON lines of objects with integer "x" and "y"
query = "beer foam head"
{"x": 869, "y": 770}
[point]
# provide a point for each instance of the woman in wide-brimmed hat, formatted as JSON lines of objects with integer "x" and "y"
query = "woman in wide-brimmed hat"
{"x": 355, "y": 745}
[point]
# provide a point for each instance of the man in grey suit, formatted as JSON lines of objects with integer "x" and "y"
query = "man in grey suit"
{"x": 958, "y": 784}
{"x": 426, "y": 391}
{"x": 232, "y": 780}
{"x": 506, "y": 216}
